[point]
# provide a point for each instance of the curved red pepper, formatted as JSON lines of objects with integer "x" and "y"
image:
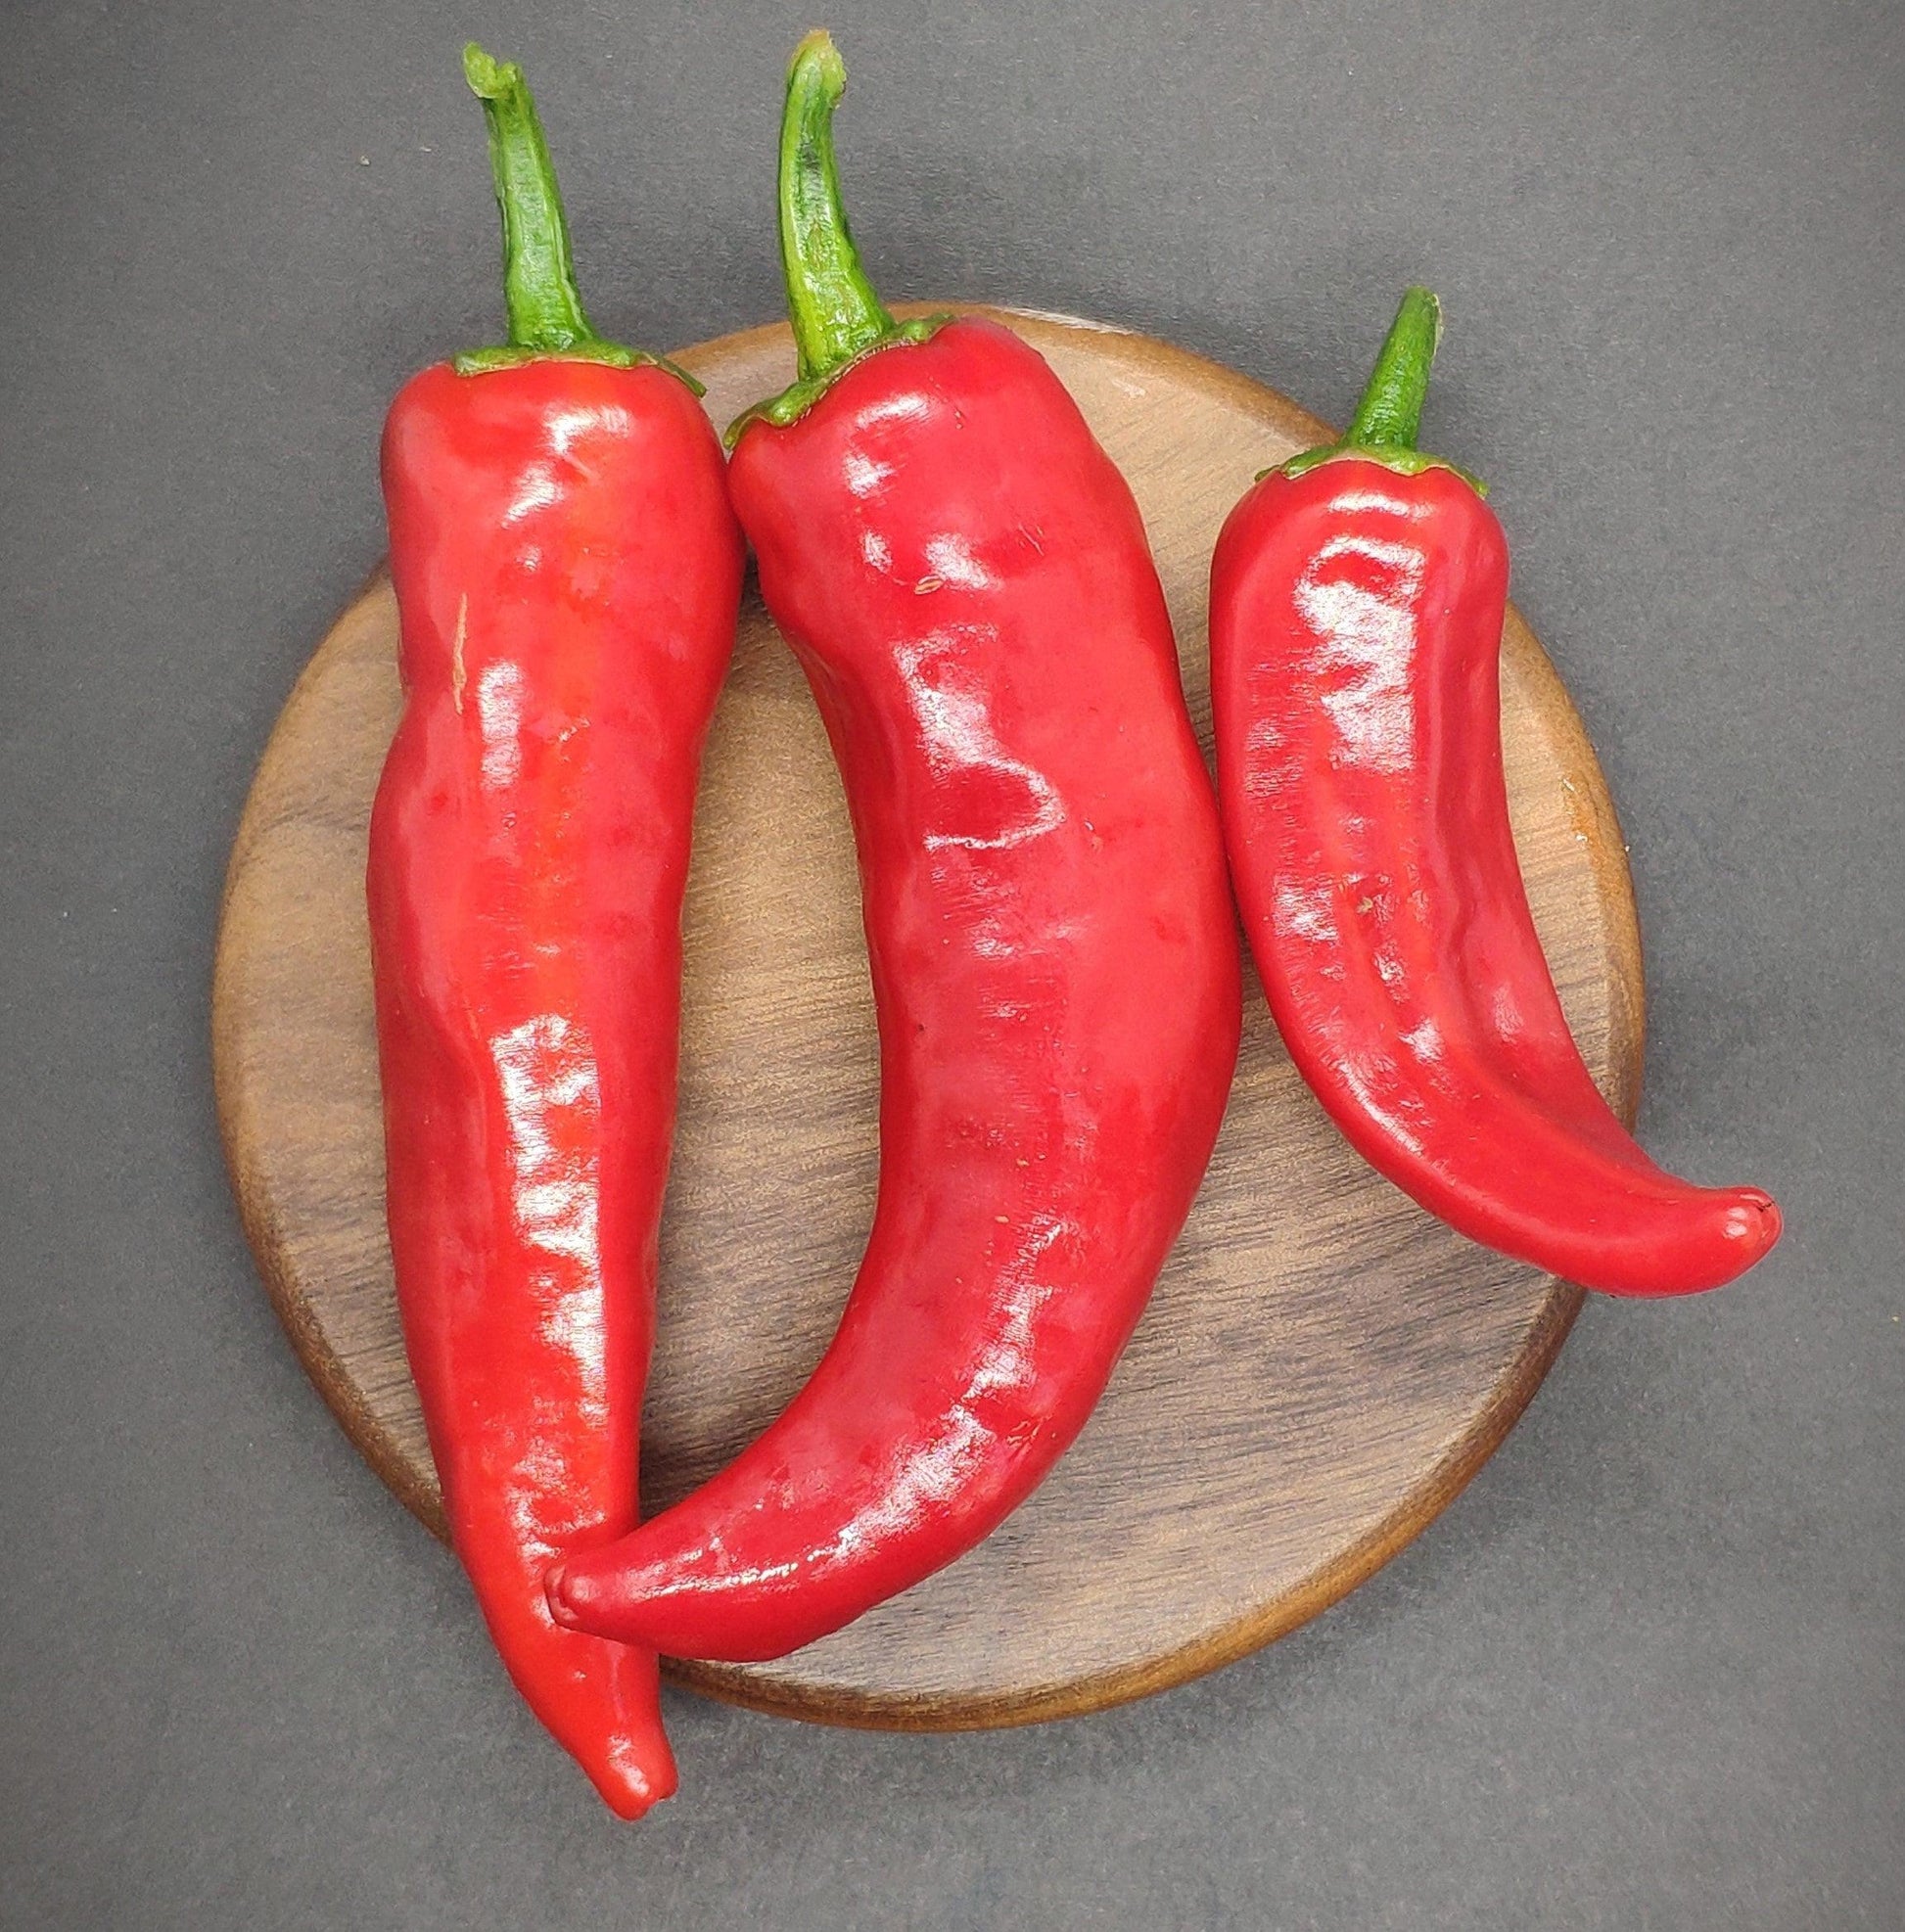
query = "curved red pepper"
{"x": 965, "y": 578}
{"x": 568, "y": 573}
{"x": 1357, "y": 599}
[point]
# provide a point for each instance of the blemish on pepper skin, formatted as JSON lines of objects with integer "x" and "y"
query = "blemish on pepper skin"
{"x": 459, "y": 676}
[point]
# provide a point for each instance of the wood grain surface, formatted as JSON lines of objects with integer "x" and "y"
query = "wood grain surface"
{"x": 1322, "y": 1365}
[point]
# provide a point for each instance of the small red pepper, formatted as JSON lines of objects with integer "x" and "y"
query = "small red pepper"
{"x": 1357, "y": 599}
{"x": 568, "y": 573}
{"x": 965, "y": 578}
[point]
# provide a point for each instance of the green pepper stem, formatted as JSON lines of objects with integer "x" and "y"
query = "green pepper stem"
{"x": 1390, "y": 414}
{"x": 835, "y": 313}
{"x": 546, "y": 307}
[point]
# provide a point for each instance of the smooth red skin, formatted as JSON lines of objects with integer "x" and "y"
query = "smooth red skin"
{"x": 965, "y": 578}
{"x": 568, "y": 572}
{"x": 1356, "y": 625}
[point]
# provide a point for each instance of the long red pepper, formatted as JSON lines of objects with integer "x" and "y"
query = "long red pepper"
{"x": 568, "y": 573}
{"x": 965, "y": 578}
{"x": 1357, "y": 599}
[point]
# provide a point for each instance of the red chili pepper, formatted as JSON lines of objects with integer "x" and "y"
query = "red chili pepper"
{"x": 1357, "y": 598}
{"x": 965, "y": 578}
{"x": 568, "y": 572}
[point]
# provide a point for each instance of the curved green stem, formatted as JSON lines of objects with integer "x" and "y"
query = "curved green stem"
{"x": 1389, "y": 416}
{"x": 546, "y": 307}
{"x": 836, "y": 317}
{"x": 835, "y": 313}
{"x": 546, "y": 316}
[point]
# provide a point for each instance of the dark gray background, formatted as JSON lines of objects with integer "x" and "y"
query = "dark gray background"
{"x": 1648, "y": 1671}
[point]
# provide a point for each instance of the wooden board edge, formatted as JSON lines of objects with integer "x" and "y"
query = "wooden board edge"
{"x": 873, "y": 1710}
{"x": 1131, "y": 345}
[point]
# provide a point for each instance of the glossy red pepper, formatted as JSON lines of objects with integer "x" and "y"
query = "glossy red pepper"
{"x": 1357, "y": 599}
{"x": 568, "y": 573}
{"x": 965, "y": 578}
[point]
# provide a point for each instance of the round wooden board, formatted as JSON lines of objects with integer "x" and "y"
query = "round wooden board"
{"x": 1322, "y": 1365}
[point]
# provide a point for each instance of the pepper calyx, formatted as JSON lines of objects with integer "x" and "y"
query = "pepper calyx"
{"x": 798, "y": 397}
{"x": 1405, "y": 462}
{"x": 1389, "y": 417}
{"x": 617, "y": 355}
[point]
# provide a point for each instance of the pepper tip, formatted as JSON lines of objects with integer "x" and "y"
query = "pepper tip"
{"x": 1755, "y": 1222}
{"x": 490, "y": 79}
{"x": 555, "y": 1593}
{"x": 816, "y": 55}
